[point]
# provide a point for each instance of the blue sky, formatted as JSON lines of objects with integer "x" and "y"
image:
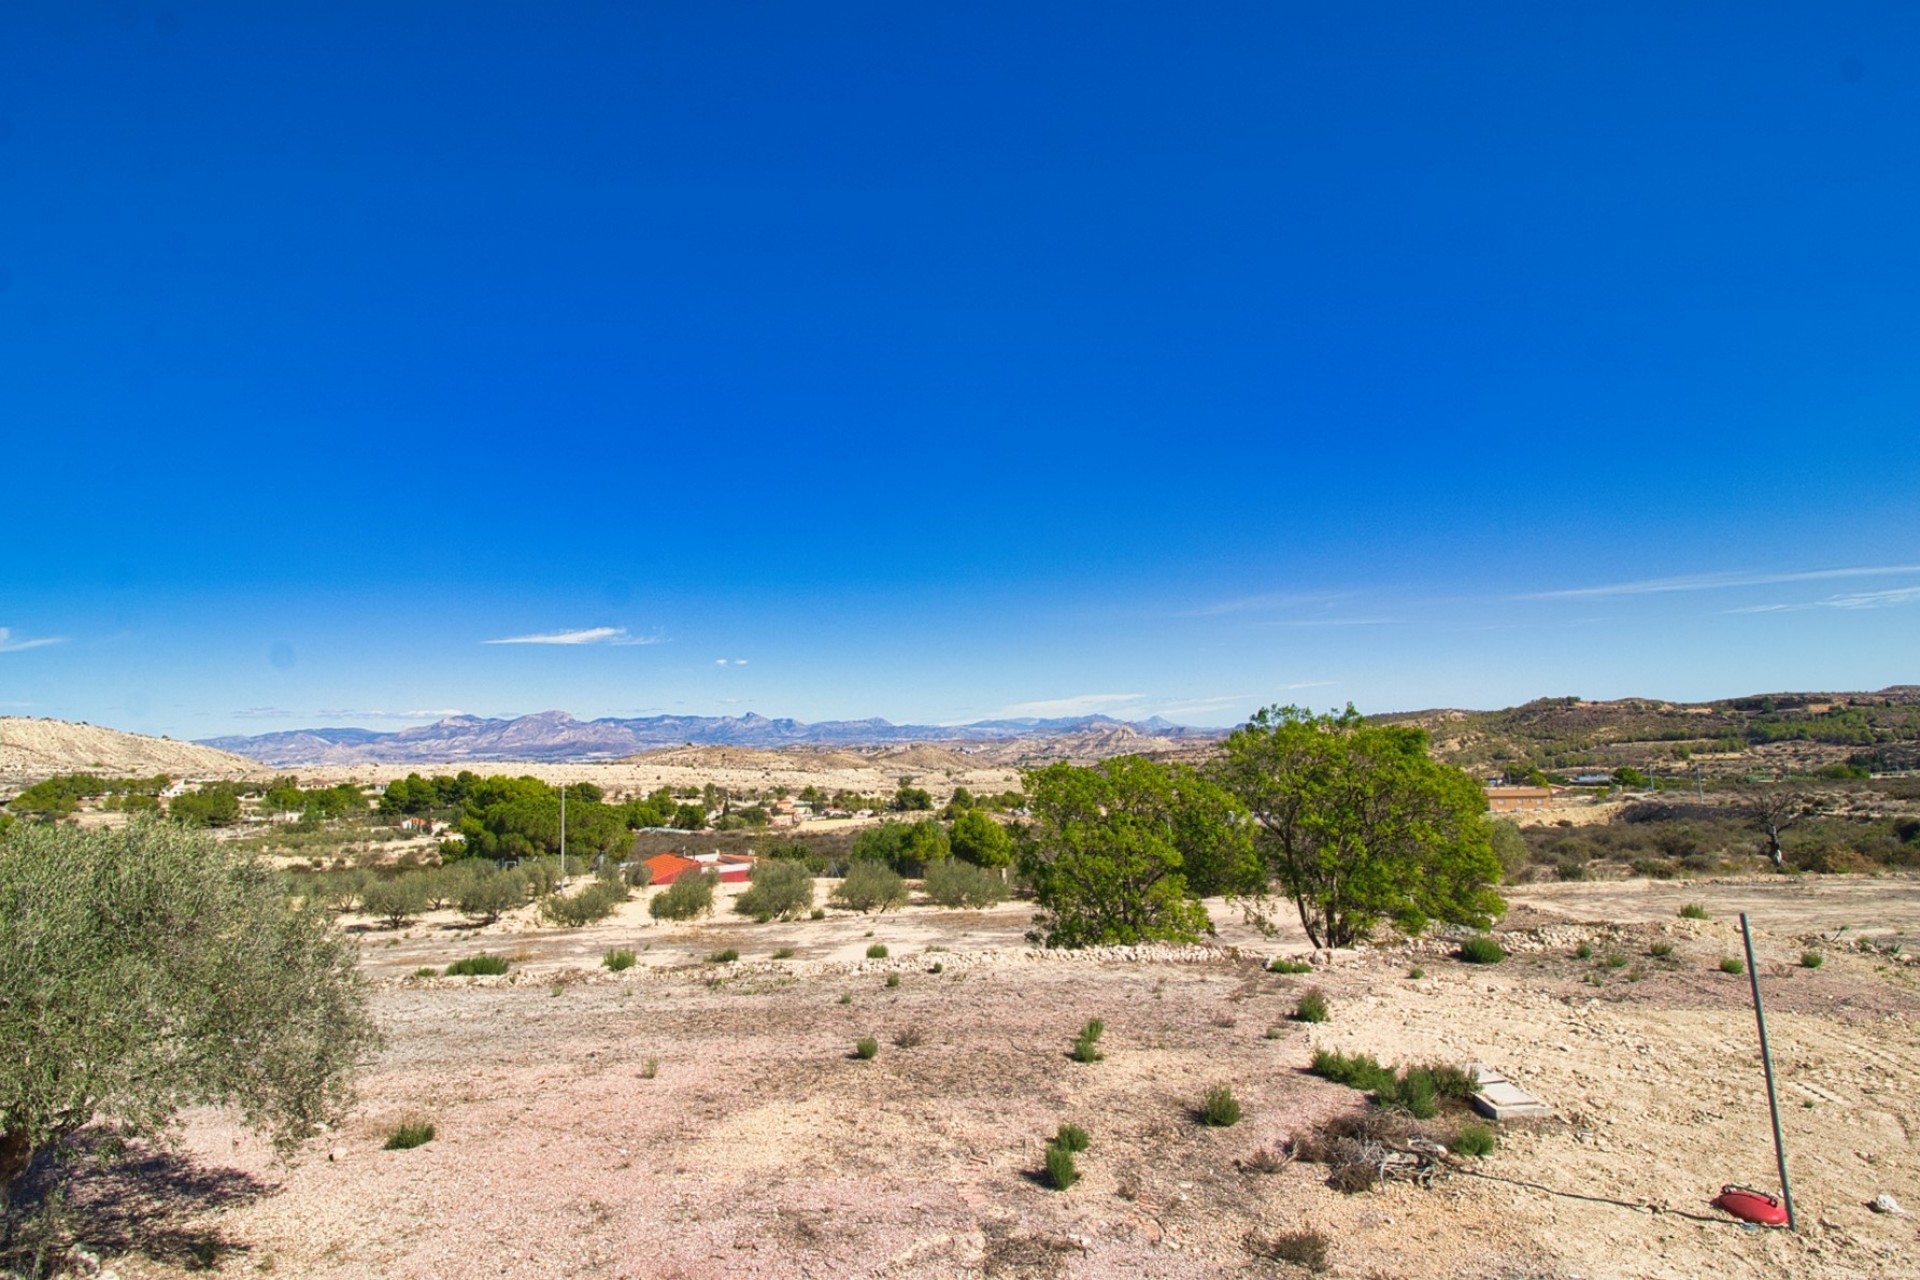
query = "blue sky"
{"x": 939, "y": 362}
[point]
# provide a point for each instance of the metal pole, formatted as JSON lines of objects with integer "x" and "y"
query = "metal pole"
{"x": 1766, "y": 1060}
{"x": 563, "y": 835}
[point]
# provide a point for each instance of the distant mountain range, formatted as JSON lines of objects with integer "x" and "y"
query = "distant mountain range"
{"x": 553, "y": 736}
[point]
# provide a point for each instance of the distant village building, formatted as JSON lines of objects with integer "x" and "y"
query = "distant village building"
{"x": 1517, "y": 799}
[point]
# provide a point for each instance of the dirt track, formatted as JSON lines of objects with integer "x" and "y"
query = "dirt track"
{"x": 761, "y": 1147}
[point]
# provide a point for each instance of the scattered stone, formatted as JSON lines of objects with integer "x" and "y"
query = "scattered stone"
{"x": 336, "y": 1155}
{"x": 1884, "y": 1203}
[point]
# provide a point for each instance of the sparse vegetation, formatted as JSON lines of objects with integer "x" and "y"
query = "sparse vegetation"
{"x": 1660, "y": 950}
{"x": 1086, "y": 1045}
{"x": 1475, "y": 1139}
{"x": 1303, "y": 1248}
{"x": 1416, "y": 973}
{"x": 618, "y": 959}
{"x": 1811, "y": 959}
{"x": 1061, "y": 1172}
{"x": 893, "y": 980}
{"x": 865, "y": 1048}
{"x": 1220, "y": 1108}
{"x": 1312, "y": 1007}
{"x": 409, "y": 1135}
{"x": 877, "y": 951}
{"x": 482, "y": 965}
{"x": 1480, "y": 949}
{"x": 909, "y": 1037}
{"x": 784, "y": 953}
{"x": 1583, "y": 952}
{"x": 725, "y": 956}
{"x": 1733, "y": 965}
{"x": 426, "y": 971}
{"x": 650, "y": 1068}
{"x": 1693, "y": 911}
{"x": 1280, "y": 964}
{"x": 1414, "y": 1090}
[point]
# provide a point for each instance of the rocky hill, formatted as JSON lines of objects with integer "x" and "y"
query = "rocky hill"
{"x": 34, "y": 749}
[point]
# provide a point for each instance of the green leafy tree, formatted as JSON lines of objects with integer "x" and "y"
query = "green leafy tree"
{"x": 1358, "y": 824}
{"x": 210, "y": 806}
{"x": 689, "y": 896}
{"x": 148, "y": 968}
{"x": 780, "y": 889}
{"x": 907, "y": 799}
{"x": 978, "y": 839}
{"x": 953, "y": 883}
{"x": 870, "y": 886}
{"x": 1105, "y": 855}
{"x": 397, "y": 900}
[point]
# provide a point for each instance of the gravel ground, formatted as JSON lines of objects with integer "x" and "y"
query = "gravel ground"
{"x": 687, "y": 1119}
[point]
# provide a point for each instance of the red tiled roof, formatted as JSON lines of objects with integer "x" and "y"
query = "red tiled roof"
{"x": 668, "y": 867}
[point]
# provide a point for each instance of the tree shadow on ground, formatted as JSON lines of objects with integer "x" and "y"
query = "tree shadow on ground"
{"x": 117, "y": 1200}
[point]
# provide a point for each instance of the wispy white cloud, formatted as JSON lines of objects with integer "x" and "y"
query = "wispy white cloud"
{"x": 261, "y": 713}
{"x": 1079, "y": 704}
{"x": 729, "y": 662}
{"x": 1850, "y": 600}
{"x": 362, "y": 714}
{"x": 10, "y": 645}
{"x": 589, "y": 635}
{"x": 1721, "y": 582}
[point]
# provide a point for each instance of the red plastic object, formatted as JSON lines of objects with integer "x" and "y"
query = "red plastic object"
{"x": 1752, "y": 1206}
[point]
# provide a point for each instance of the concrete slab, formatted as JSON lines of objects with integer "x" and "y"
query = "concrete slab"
{"x": 1498, "y": 1098}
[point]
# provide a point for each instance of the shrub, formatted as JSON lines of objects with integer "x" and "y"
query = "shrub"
{"x": 397, "y": 900}
{"x": 909, "y": 1038}
{"x": 1729, "y": 964}
{"x": 1693, "y": 911}
{"x": 893, "y": 980}
{"x": 426, "y": 971}
{"x": 878, "y": 951}
{"x": 650, "y": 1068}
{"x": 1280, "y": 964}
{"x": 1305, "y": 1248}
{"x": 1583, "y": 952}
{"x": 1416, "y": 972}
{"x": 1660, "y": 950}
{"x": 865, "y": 1048}
{"x": 1221, "y": 1108}
{"x": 689, "y": 896}
{"x": 589, "y": 906}
{"x": 1811, "y": 959}
{"x": 846, "y": 997}
{"x": 953, "y": 883}
{"x": 1061, "y": 1172}
{"x": 778, "y": 890}
{"x": 870, "y": 886}
{"x": 481, "y": 965}
{"x": 1614, "y": 960}
{"x": 818, "y": 913}
{"x": 1086, "y": 1044}
{"x": 409, "y": 1135}
{"x": 784, "y": 953}
{"x": 487, "y": 894}
{"x": 728, "y": 956}
{"x": 1312, "y": 1007}
{"x": 1475, "y": 1139}
{"x": 618, "y": 960}
{"x": 937, "y": 967}
{"x": 1072, "y": 1137}
{"x": 1481, "y": 950}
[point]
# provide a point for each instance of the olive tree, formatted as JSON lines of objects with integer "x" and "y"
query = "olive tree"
{"x": 1357, "y": 823}
{"x": 148, "y": 968}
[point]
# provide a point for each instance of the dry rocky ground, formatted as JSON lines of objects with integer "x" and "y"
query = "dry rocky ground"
{"x": 691, "y": 1119}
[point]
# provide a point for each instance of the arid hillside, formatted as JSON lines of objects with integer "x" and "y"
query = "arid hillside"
{"x": 34, "y": 749}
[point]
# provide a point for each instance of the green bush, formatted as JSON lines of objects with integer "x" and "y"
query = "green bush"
{"x": 1280, "y": 964}
{"x": 953, "y": 883}
{"x": 1072, "y": 1137}
{"x": 893, "y": 980}
{"x": 426, "y": 971}
{"x": 487, "y": 895}
{"x": 1221, "y": 1108}
{"x": 397, "y": 900}
{"x": 618, "y": 959}
{"x": 1583, "y": 952}
{"x": 1693, "y": 911}
{"x": 482, "y": 965}
{"x": 1416, "y": 972}
{"x": 1729, "y": 964}
{"x": 1481, "y": 950}
{"x": 865, "y": 1048}
{"x": 1660, "y": 950}
{"x": 1415, "y": 1090}
{"x": 727, "y": 956}
{"x": 1811, "y": 959}
{"x": 1475, "y": 1139}
{"x": 589, "y": 906}
{"x": 1061, "y": 1173}
{"x": 689, "y": 896}
{"x": 1086, "y": 1044}
{"x": 877, "y": 951}
{"x": 778, "y": 890}
{"x": 1312, "y": 1007}
{"x": 1614, "y": 960}
{"x": 870, "y": 886}
{"x": 408, "y": 1136}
